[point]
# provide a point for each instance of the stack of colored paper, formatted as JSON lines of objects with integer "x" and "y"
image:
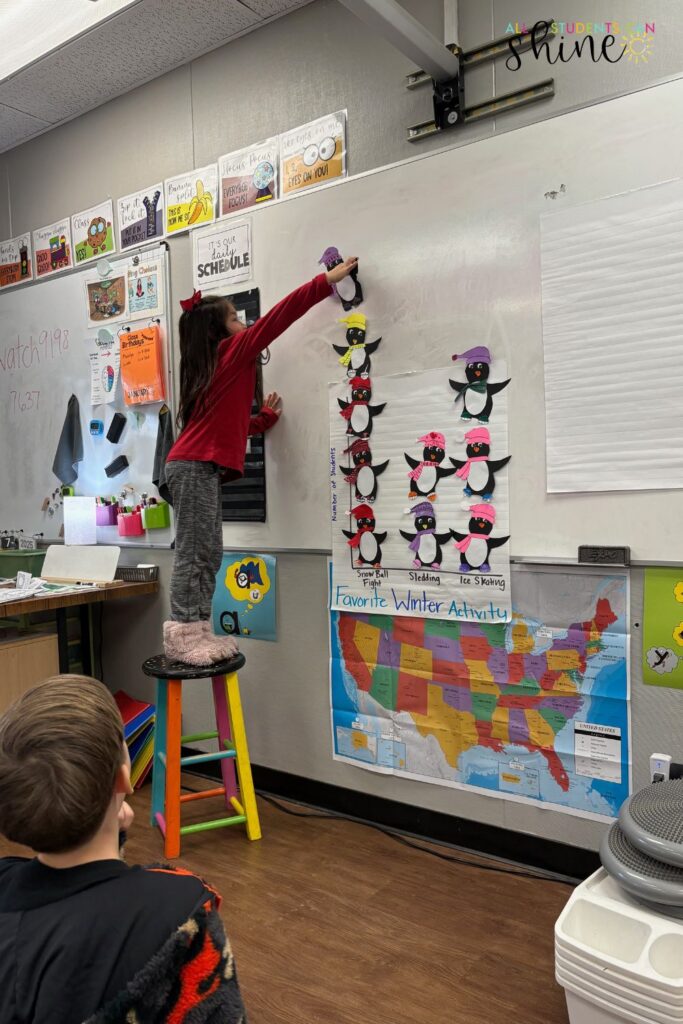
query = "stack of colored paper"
{"x": 138, "y": 730}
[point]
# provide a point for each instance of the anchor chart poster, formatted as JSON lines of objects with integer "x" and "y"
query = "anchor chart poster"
{"x": 419, "y": 492}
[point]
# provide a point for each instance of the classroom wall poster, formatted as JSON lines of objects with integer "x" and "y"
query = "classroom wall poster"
{"x": 663, "y": 628}
{"x": 141, "y": 216}
{"x": 145, "y": 291}
{"x": 93, "y": 232}
{"x": 222, "y": 256}
{"x": 313, "y": 153}
{"x": 142, "y": 366}
{"x": 16, "y": 261}
{"x": 248, "y": 176}
{"x": 52, "y": 248}
{"x": 105, "y": 356}
{"x": 536, "y": 710}
{"x": 106, "y": 299}
{"x": 191, "y": 199}
{"x": 428, "y": 534}
{"x": 244, "y": 601}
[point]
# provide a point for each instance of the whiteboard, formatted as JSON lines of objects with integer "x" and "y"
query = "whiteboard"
{"x": 46, "y": 324}
{"x": 450, "y": 257}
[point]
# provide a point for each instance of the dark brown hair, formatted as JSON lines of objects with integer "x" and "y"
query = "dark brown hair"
{"x": 61, "y": 745}
{"x": 201, "y": 330}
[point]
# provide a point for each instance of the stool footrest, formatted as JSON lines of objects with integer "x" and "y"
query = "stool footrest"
{"x": 193, "y": 737}
{"x": 202, "y": 758}
{"x": 204, "y": 826}
{"x": 203, "y": 794}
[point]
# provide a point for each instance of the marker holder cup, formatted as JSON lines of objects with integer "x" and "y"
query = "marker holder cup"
{"x": 156, "y": 517}
{"x": 130, "y": 524}
{"x": 106, "y": 515}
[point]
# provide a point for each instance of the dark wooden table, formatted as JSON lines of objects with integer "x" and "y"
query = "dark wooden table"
{"x": 59, "y": 603}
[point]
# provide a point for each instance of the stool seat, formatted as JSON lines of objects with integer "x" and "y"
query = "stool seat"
{"x": 161, "y": 667}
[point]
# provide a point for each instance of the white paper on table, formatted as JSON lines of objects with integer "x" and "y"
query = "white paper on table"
{"x": 612, "y": 284}
{"x": 80, "y": 521}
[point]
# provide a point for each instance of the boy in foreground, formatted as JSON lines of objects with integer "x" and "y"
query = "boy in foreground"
{"x": 84, "y": 937}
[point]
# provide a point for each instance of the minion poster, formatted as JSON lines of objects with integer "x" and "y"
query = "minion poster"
{"x": 663, "y": 628}
{"x": 244, "y": 601}
{"x": 313, "y": 153}
{"x": 93, "y": 232}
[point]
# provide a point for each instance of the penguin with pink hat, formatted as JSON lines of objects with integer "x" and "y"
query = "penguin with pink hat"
{"x": 478, "y": 471}
{"x": 425, "y": 543}
{"x": 476, "y": 545}
{"x": 425, "y": 473}
{"x": 476, "y": 391}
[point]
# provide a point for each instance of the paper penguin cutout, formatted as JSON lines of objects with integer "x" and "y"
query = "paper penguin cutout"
{"x": 363, "y": 475}
{"x": 365, "y": 542}
{"x": 475, "y": 546}
{"x": 476, "y": 392}
{"x": 426, "y": 543}
{"x": 348, "y": 290}
{"x": 425, "y": 475}
{"x": 477, "y": 471}
{"x": 355, "y": 355}
{"x": 358, "y": 412}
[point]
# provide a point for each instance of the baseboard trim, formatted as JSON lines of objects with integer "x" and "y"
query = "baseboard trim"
{"x": 527, "y": 850}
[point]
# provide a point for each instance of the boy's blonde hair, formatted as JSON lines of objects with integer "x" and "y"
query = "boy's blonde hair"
{"x": 61, "y": 745}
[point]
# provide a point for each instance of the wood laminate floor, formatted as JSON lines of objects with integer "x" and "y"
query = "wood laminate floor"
{"x": 333, "y": 922}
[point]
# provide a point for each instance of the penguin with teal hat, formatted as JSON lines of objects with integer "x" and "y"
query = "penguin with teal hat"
{"x": 476, "y": 391}
{"x": 355, "y": 355}
{"x": 363, "y": 474}
{"x": 426, "y": 544}
{"x": 476, "y": 545}
{"x": 478, "y": 471}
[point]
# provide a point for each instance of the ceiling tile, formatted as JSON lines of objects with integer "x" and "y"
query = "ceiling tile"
{"x": 142, "y": 43}
{"x": 16, "y": 127}
{"x": 271, "y": 8}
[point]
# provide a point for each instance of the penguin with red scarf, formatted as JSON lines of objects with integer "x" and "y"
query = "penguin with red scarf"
{"x": 476, "y": 546}
{"x": 425, "y": 475}
{"x": 478, "y": 471}
{"x": 365, "y": 542}
{"x": 425, "y": 543}
{"x": 476, "y": 391}
{"x": 363, "y": 474}
{"x": 358, "y": 413}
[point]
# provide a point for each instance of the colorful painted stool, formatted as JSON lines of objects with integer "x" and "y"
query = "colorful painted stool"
{"x": 232, "y": 752}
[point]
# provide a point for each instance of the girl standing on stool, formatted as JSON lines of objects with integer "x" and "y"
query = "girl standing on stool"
{"x": 218, "y": 356}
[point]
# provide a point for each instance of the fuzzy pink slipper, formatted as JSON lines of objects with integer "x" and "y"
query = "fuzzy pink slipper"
{"x": 188, "y": 642}
{"x": 227, "y": 643}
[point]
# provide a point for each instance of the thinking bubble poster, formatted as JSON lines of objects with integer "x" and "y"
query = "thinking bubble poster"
{"x": 244, "y": 601}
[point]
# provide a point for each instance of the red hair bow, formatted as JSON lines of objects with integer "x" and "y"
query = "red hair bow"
{"x": 187, "y": 304}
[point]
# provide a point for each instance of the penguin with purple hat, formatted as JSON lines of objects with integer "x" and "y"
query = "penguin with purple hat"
{"x": 425, "y": 543}
{"x": 476, "y": 391}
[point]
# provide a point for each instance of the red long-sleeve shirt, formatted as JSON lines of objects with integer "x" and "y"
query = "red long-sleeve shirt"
{"x": 219, "y": 432}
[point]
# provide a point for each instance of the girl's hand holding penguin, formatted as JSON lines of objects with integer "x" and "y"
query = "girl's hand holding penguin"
{"x": 342, "y": 270}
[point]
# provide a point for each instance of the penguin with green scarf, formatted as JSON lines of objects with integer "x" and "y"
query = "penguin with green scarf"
{"x": 476, "y": 392}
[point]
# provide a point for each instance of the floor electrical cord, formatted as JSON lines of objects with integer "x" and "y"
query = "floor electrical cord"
{"x": 398, "y": 837}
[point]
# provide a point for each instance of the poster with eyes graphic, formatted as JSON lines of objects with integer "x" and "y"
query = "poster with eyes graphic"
{"x": 92, "y": 232}
{"x": 313, "y": 153}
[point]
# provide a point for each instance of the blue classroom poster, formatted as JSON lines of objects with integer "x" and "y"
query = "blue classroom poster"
{"x": 244, "y": 601}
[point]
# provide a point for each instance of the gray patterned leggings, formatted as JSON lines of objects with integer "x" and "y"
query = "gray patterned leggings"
{"x": 196, "y": 491}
